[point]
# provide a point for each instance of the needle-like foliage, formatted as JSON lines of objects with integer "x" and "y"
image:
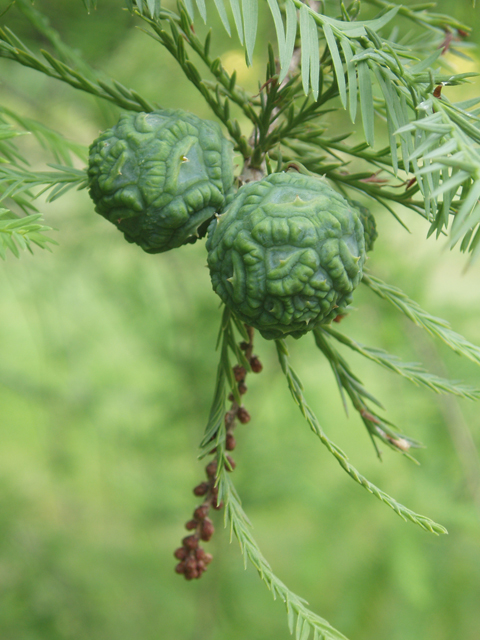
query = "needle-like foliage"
{"x": 18, "y": 233}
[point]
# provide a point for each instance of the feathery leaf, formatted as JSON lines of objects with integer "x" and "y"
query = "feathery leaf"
{"x": 434, "y": 326}
{"x": 410, "y": 370}
{"x": 18, "y": 233}
{"x": 295, "y": 389}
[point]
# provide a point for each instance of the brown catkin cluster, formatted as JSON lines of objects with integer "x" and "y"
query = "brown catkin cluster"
{"x": 193, "y": 558}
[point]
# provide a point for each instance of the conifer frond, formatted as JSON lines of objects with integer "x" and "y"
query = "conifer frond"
{"x": 16, "y": 182}
{"x": 434, "y": 326}
{"x": 376, "y": 425}
{"x": 447, "y": 156}
{"x": 17, "y": 179}
{"x": 8, "y": 148}
{"x": 13, "y": 48}
{"x": 302, "y": 622}
{"x": 49, "y": 139}
{"x": 18, "y": 233}
{"x": 296, "y": 390}
{"x": 412, "y": 371}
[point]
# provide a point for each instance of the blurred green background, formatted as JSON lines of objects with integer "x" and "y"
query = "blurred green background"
{"x": 106, "y": 378}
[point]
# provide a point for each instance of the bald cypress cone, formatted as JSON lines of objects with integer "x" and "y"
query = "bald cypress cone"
{"x": 286, "y": 254}
{"x": 159, "y": 177}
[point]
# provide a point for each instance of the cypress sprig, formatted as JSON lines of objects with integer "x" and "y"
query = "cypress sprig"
{"x": 18, "y": 233}
{"x": 410, "y": 370}
{"x": 296, "y": 389}
{"x": 436, "y": 327}
{"x": 13, "y": 48}
{"x": 377, "y": 426}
